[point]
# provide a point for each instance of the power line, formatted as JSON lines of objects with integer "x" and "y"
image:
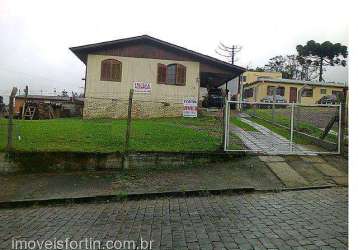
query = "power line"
{"x": 229, "y": 52}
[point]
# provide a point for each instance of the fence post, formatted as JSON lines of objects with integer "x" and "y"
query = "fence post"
{"x": 223, "y": 140}
{"x": 343, "y": 121}
{"x": 129, "y": 120}
{"x": 11, "y": 122}
{"x": 273, "y": 105}
{"x": 227, "y": 122}
{"x": 25, "y": 100}
{"x": 292, "y": 123}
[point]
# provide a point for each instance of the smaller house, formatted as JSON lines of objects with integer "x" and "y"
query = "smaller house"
{"x": 61, "y": 106}
{"x": 311, "y": 92}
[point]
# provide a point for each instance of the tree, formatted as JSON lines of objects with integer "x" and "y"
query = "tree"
{"x": 276, "y": 64}
{"x": 322, "y": 55}
{"x": 292, "y": 67}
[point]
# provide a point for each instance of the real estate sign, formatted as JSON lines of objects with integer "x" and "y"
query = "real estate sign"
{"x": 190, "y": 107}
{"x": 142, "y": 87}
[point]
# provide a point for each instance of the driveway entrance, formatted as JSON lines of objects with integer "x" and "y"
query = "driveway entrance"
{"x": 266, "y": 141}
{"x": 283, "y": 128}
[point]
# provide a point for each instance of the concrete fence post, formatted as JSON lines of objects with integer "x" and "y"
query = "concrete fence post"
{"x": 10, "y": 125}
{"x": 129, "y": 121}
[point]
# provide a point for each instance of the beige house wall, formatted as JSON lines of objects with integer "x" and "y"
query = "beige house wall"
{"x": 251, "y": 76}
{"x": 110, "y": 99}
{"x": 260, "y": 91}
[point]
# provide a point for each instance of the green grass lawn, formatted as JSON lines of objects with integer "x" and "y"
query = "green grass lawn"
{"x": 238, "y": 122}
{"x": 105, "y": 135}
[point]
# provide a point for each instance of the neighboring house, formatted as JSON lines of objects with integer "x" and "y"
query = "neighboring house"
{"x": 234, "y": 86}
{"x": 171, "y": 74}
{"x": 251, "y": 76}
{"x": 290, "y": 89}
{"x": 62, "y": 106}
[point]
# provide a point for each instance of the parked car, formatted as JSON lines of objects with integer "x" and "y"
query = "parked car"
{"x": 214, "y": 99}
{"x": 328, "y": 99}
{"x": 270, "y": 99}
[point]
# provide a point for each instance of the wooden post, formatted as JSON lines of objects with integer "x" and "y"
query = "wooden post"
{"x": 11, "y": 116}
{"x": 25, "y": 100}
{"x": 129, "y": 120}
{"x": 343, "y": 120}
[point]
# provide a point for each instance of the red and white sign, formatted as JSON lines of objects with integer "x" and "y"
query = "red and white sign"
{"x": 142, "y": 87}
{"x": 190, "y": 107}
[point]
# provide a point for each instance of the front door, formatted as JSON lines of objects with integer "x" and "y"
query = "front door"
{"x": 293, "y": 94}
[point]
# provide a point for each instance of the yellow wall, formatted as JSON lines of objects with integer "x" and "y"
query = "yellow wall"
{"x": 261, "y": 91}
{"x": 140, "y": 69}
{"x": 252, "y": 76}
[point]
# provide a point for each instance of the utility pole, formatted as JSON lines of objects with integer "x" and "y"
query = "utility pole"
{"x": 230, "y": 53}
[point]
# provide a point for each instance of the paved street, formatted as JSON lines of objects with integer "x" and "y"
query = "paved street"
{"x": 312, "y": 219}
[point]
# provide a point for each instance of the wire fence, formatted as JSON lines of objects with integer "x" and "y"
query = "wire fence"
{"x": 158, "y": 125}
{"x": 177, "y": 124}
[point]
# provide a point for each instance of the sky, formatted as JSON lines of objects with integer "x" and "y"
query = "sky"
{"x": 36, "y": 35}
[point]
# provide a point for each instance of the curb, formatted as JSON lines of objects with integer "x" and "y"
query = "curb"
{"x": 139, "y": 196}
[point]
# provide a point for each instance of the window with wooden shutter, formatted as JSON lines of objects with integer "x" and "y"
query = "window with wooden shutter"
{"x": 180, "y": 74}
{"x": 111, "y": 70}
{"x": 171, "y": 74}
{"x": 162, "y": 73}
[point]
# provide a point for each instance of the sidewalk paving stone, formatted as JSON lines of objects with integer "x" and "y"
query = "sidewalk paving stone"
{"x": 313, "y": 159}
{"x": 271, "y": 158}
{"x": 311, "y": 174}
{"x": 287, "y": 175}
{"x": 341, "y": 180}
{"x": 328, "y": 169}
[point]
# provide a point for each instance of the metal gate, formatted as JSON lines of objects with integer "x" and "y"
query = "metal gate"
{"x": 283, "y": 128}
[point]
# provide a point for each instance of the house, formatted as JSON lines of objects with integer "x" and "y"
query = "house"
{"x": 251, "y": 76}
{"x": 310, "y": 92}
{"x": 234, "y": 86}
{"x": 62, "y": 106}
{"x": 162, "y": 76}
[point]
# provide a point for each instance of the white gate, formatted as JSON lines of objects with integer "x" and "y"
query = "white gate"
{"x": 282, "y": 128}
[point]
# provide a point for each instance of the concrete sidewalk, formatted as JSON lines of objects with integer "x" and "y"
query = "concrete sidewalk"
{"x": 266, "y": 141}
{"x": 252, "y": 172}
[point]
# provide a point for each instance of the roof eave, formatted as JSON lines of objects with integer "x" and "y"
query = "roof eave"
{"x": 86, "y": 49}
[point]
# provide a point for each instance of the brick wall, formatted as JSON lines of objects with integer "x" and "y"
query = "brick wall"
{"x": 115, "y": 108}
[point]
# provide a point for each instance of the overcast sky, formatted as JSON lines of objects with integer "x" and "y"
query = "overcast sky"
{"x": 36, "y": 35}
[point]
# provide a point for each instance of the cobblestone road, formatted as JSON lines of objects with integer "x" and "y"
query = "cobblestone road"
{"x": 312, "y": 219}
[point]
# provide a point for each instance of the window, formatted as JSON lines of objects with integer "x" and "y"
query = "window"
{"x": 111, "y": 70}
{"x": 338, "y": 94}
{"x": 307, "y": 93}
{"x": 323, "y": 91}
{"x": 270, "y": 90}
{"x": 280, "y": 91}
{"x": 244, "y": 78}
{"x": 248, "y": 93}
{"x": 172, "y": 74}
